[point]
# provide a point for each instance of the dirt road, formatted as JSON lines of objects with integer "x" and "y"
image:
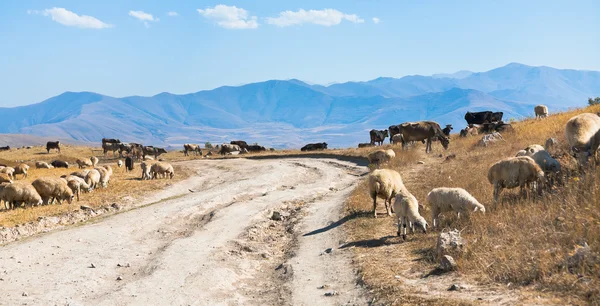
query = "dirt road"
{"x": 211, "y": 242}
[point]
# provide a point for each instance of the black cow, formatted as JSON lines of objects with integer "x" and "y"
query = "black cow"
{"x": 59, "y": 164}
{"x": 255, "y": 148}
{"x": 365, "y": 144}
{"x": 378, "y": 136}
{"x": 110, "y": 146}
{"x": 447, "y": 129}
{"x": 242, "y": 144}
{"x": 52, "y": 145}
{"x": 393, "y": 129}
{"x": 4, "y": 148}
{"x": 497, "y": 116}
{"x": 314, "y": 146}
{"x": 478, "y": 117}
{"x": 110, "y": 140}
{"x": 128, "y": 164}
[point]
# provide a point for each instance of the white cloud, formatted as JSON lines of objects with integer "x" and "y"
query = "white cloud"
{"x": 70, "y": 19}
{"x": 230, "y": 17}
{"x": 143, "y": 16}
{"x": 326, "y": 17}
{"x": 172, "y": 14}
{"x": 376, "y": 20}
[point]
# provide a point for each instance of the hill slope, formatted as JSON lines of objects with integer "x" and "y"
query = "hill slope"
{"x": 290, "y": 113}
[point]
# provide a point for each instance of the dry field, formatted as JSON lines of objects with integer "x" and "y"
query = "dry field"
{"x": 122, "y": 184}
{"x": 522, "y": 244}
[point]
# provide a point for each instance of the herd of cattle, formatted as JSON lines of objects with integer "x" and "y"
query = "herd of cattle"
{"x": 533, "y": 169}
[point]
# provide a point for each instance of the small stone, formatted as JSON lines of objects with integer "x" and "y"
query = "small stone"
{"x": 276, "y": 216}
{"x": 454, "y": 287}
{"x": 84, "y": 207}
{"x": 119, "y": 278}
{"x": 115, "y": 206}
{"x": 331, "y": 293}
{"x": 92, "y": 266}
{"x": 25, "y": 294}
{"x": 421, "y": 162}
{"x": 329, "y": 250}
{"x": 447, "y": 263}
{"x": 560, "y": 219}
{"x": 323, "y": 287}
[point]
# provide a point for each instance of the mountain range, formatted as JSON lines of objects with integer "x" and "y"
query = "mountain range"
{"x": 290, "y": 113}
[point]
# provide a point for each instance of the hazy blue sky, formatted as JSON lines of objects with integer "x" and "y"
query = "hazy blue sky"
{"x": 128, "y": 47}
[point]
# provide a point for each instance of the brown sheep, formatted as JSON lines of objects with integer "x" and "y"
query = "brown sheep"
{"x": 21, "y": 169}
{"x": 84, "y": 163}
{"x": 94, "y": 161}
{"x": 20, "y": 192}
{"x": 514, "y": 172}
{"x": 384, "y": 183}
{"x": 50, "y": 188}
{"x": 76, "y": 184}
{"x": 5, "y": 179}
{"x": 162, "y": 169}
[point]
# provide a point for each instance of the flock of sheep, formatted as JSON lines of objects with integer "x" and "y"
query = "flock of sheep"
{"x": 45, "y": 190}
{"x": 532, "y": 169}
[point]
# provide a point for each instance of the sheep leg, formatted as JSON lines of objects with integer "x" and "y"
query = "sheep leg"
{"x": 404, "y": 228}
{"x": 388, "y": 206}
{"x": 374, "y": 206}
{"x": 398, "y": 219}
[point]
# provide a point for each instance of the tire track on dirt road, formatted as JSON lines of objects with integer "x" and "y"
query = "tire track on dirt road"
{"x": 171, "y": 252}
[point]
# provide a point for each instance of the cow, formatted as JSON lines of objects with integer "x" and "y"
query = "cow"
{"x": 478, "y": 117}
{"x": 365, "y": 145}
{"x": 378, "y": 136}
{"x": 59, "y": 164}
{"x": 188, "y": 147}
{"x": 487, "y": 128}
{"x": 52, "y": 145}
{"x": 110, "y": 146}
{"x": 447, "y": 129}
{"x": 240, "y": 143}
{"x": 110, "y": 140}
{"x": 423, "y": 130}
{"x": 5, "y": 148}
{"x": 314, "y": 146}
{"x": 154, "y": 151}
{"x": 497, "y": 116}
{"x": 393, "y": 129}
{"x": 128, "y": 164}
{"x": 227, "y": 148}
{"x": 255, "y": 148}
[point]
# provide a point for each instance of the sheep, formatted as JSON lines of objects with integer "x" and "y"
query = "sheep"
{"x": 148, "y": 158}
{"x": 9, "y": 171}
{"x": 76, "y": 184}
{"x": 406, "y": 208}
{"x": 21, "y": 169}
{"x": 550, "y": 143}
{"x": 43, "y": 165}
{"x": 579, "y": 132}
{"x": 83, "y": 163}
{"x": 162, "y": 169}
{"x": 104, "y": 176}
{"x": 549, "y": 165}
{"x": 94, "y": 161}
{"x": 108, "y": 169}
{"x": 50, "y": 188}
{"x": 514, "y": 172}
{"x": 82, "y": 174}
{"x": 541, "y": 111}
{"x": 19, "y": 192}
{"x": 93, "y": 178}
{"x": 5, "y": 179}
{"x": 521, "y": 153}
{"x": 145, "y": 171}
{"x": 381, "y": 156}
{"x": 384, "y": 183}
{"x": 397, "y": 139}
{"x": 446, "y": 199}
{"x": 119, "y": 163}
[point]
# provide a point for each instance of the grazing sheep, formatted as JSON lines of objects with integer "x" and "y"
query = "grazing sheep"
{"x": 21, "y": 169}
{"x": 119, "y": 163}
{"x": 53, "y": 188}
{"x": 579, "y": 132}
{"x": 381, "y": 156}
{"x": 82, "y": 174}
{"x": 384, "y": 183}
{"x": 406, "y": 208}
{"x": 162, "y": 169}
{"x": 9, "y": 171}
{"x": 514, "y": 172}
{"x": 397, "y": 139}
{"x": 445, "y": 199}
{"x": 145, "y": 171}
{"x": 521, "y": 153}
{"x": 5, "y": 179}
{"x": 43, "y": 165}
{"x": 19, "y": 192}
{"x": 76, "y": 184}
{"x": 93, "y": 178}
{"x": 84, "y": 163}
{"x": 550, "y": 143}
{"x": 108, "y": 169}
{"x": 534, "y": 148}
{"x": 104, "y": 176}
{"x": 94, "y": 161}
{"x": 541, "y": 111}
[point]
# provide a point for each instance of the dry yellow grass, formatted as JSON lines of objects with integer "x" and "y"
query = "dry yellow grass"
{"x": 122, "y": 184}
{"x": 524, "y": 242}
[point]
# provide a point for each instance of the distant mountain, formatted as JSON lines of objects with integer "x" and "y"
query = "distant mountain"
{"x": 290, "y": 113}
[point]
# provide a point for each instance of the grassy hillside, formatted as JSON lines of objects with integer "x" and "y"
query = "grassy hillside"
{"x": 523, "y": 243}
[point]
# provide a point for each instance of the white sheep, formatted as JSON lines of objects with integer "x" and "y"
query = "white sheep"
{"x": 119, "y": 163}
{"x": 93, "y": 178}
{"x": 514, "y": 172}
{"x": 381, "y": 156}
{"x": 579, "y": 132}
{"x": 384, "y": 183}
{"x": 541, "y": 111}
{"x": 19, "y": 192}
{"x": 145, "y": 171}
{"x": 406, "y": 208}
{"x": 21, "y": 169}
{"x": 549, "y": 165}
{"x": 43, "y": 165}
{"x": 446, "y": 199}
{"x": 53, "y": 188}
{"x": 94, "y": 161}
{"x": 104, "y": 176}
{"x": 84, "y": 163}
{"x": 9, "y": 171}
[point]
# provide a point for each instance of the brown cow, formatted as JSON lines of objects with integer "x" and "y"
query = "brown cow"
{"x": 423, "y": 130}
{"x": 193, "y": 148}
